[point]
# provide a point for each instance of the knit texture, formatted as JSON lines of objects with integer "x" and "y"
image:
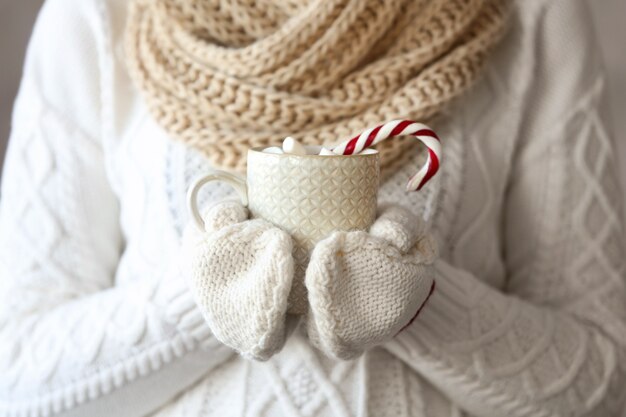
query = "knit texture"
{"x": 240, "y": 275}
{"x": 226, "y": 76}
{"x": 528, "y": 317}
{"x": 364, "y": 288}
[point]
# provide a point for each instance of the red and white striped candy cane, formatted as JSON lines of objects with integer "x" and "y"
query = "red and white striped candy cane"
{"x": 399, "y": 128}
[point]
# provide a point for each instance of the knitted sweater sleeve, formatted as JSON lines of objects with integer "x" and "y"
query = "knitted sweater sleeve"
{"x": 72, "y": 342}
{"x": 552, "y": 342}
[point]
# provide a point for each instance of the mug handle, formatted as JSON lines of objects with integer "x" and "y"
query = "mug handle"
{"x": 235, "y": 181}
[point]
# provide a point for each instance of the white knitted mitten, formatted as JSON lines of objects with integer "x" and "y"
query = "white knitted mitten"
{"x": 240, "y": 275}
{"x": 364, "y": 288}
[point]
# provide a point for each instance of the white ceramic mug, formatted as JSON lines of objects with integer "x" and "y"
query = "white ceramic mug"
{"x": 308, "y": 196}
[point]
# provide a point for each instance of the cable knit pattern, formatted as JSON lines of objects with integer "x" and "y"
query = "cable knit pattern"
{"x": 564, "y": 355}
{"x": 64, "y": 340}
{"x": 528, "y": 318}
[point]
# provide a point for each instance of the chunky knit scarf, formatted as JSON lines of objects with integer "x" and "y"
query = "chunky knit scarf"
{"x": 224, "y": 76}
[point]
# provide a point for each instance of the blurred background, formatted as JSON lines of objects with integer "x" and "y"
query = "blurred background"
{"x": 17, "y": 17}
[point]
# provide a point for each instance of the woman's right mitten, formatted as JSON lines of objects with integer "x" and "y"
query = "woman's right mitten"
{"x": 240, "y": 276}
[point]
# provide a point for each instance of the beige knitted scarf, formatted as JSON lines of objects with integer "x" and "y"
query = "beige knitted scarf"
{"x": 224, "y": 76}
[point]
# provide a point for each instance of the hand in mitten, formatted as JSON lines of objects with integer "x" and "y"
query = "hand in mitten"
{"x": 240, "y": 275}
{"x": 364, "y": 288}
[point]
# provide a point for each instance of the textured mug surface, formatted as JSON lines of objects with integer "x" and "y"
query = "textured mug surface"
{"x": 310, "y": 196}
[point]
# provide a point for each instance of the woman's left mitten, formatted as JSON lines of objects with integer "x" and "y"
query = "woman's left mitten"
{"x": 364, "y": 288}
{"x": 240, "y": 275}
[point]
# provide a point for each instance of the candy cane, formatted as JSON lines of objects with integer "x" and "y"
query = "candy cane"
{"x": 399, "y": 128}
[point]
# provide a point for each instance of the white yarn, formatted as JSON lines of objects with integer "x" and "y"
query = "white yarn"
{"x": 364, "y": 288}
{"x": 528, "y": 317}
{"x": 241, "y": 273}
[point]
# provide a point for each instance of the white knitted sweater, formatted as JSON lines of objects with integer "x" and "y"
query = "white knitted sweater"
{"x": 529, "y": 315}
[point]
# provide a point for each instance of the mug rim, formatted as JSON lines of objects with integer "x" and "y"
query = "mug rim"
{"x": 372, "y": 153}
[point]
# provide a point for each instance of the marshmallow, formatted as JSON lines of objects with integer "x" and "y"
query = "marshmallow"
{"x": 326, "y": 152}
{"x": 273, "y": 149}
{"x": 292, "y": 146}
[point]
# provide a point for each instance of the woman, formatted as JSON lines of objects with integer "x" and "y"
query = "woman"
{"x": 529, "y": 313}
